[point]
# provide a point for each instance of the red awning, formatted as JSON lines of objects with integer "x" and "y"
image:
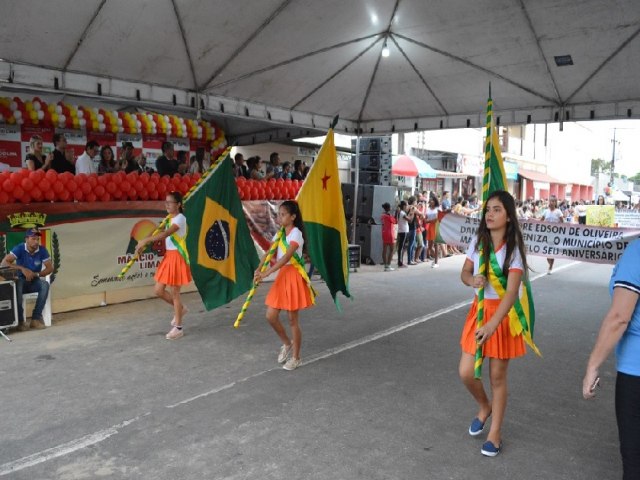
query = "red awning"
{"x": 539, "y": 176}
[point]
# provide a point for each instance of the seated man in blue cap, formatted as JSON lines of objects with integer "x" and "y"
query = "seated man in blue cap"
{"x": 29, "y": 258}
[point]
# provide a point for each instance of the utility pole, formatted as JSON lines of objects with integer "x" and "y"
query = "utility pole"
{"x": 613, "y": 159}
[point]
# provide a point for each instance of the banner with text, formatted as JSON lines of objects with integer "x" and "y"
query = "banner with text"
{"x": 89, "y": 243}
{"x": 585, "y": 243}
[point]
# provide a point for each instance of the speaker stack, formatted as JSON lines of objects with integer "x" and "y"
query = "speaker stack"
{"x": 373, "y": 162}
{"x": 374, "y": 189}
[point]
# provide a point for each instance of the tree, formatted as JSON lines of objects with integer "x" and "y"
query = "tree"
{"x": 599, "y": 165}
{"x": 635, "y": 178}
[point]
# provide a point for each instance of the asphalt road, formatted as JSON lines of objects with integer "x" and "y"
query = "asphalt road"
{"x": 103, "y": 395}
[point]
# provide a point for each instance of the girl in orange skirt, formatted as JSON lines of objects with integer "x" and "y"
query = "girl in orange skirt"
{"x": 498, "y": 231}
{"x": 173, "y": 271}
{"x": 291, "y": 290}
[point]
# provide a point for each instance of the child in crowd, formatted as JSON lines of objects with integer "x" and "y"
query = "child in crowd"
{"x": 388, "y": 240}
{"x": 500, "y": 238}
{"x": 292, "y": 289}
{"x": 173, "y": 271}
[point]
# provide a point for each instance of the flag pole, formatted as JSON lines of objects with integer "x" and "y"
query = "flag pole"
{"x": 162, "y": 224}
{"x": 477, "y": 370}
{"x": 265, "y": 265}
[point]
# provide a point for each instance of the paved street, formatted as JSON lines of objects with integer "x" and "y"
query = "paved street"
{"x": 102, "y": 394}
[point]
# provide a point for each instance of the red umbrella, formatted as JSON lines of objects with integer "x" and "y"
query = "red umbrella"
{"x": 410, "y": 166}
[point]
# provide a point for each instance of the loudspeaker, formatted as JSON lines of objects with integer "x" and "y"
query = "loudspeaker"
{"x": 348, "y": 199}
{"x": 369, "y": 237}
{"x": 370, "y": 161}
{"x": 367, "y": 162}
{"x": 8, "y": 310}
{"x": 372, "y": 178}
{"x": 370, "y": 200}
{"x": 373, "y": 144}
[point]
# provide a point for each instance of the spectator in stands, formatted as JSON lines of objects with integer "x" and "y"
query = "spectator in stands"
{"x": 183, "y": 161}
{"x": 274, "y": 170}
{"x": 286, "y": 171}
{"x": 36, "y": 160}
{"x": 142, "y": 164}
{"x": 253, "y": 164}
{"x": 84, "y": 163}
{"x": 128, "y": 161}
{"x": 298, "y": 172}
{"x": 33, "y": 263}
{"x": 198, "y": 165}
{"x": 107, "y": 161}
{"x": 59, "y": 161}
{"x": 239, "y": 167}
{"x": 166, "y": 164}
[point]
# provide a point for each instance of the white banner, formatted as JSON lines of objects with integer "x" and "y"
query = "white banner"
{"x": 628, "y": 218}
{"x": 585, "y": 243}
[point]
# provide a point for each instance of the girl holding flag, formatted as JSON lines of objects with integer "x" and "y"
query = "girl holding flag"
{"x": 500, "y": 238}
{"x": 173, "y": 271}
{"x": 292, "y": 290}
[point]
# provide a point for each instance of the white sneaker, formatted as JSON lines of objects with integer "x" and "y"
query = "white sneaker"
{"x": 292, "y": 364}
{"x": 284, "y": 353}
{"x": 435, "y": 265}
{"x": 390, "y": 269}
{"x": 548, "y": 272}
{"x": 174, "y": 334}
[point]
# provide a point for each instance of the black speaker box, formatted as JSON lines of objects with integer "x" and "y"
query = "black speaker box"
{"x": 369, "y": 237}
{"x": 370, "y": 200}
{"x": 8, "y": 310}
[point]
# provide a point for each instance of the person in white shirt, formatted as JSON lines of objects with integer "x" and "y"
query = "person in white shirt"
{"x": 84, "y": 163}
{"x": 553, "y": 215}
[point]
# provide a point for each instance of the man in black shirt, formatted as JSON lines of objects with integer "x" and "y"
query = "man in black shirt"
{"x": 60, "y": 163}
{"x": 166, "y": 164}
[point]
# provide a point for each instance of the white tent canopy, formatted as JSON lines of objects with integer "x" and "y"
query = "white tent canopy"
{"x": 271, "y": 68}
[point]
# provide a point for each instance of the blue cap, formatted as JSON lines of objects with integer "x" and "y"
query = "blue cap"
{"x": 32, "y": 232}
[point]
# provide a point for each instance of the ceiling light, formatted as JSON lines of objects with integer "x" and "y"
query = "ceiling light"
{"x": 385, "y": 50}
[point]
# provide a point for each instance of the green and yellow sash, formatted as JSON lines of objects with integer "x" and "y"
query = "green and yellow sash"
{"x": 298, "y": 263}
{"x": 522, "y": 314}
{"x": 180, "y": 243}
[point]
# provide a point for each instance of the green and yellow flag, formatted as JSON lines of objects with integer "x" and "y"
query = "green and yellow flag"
{"x": 320, "y": 201}
{"x": 223, "y": 256}
{"x": 494, "y": 177}
{"x": 522, "y": 314}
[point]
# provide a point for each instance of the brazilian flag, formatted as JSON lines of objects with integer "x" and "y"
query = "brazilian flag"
{"x": 221, "y": 250}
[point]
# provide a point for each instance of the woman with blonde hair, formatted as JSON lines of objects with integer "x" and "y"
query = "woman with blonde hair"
{"x": 36, "y": 160}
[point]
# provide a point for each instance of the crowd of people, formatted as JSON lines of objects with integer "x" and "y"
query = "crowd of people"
{"x": 251, "y": 169}
{"x": 411, "y": 231}
{"x": 62, "y": 158}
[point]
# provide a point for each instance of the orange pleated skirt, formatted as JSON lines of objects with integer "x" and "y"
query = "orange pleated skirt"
{"x": 289, "y": 291}
{"x": 173, "y": 270}
{"x": 501, "y": 345}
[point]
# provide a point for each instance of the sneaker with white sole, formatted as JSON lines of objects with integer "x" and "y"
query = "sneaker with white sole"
{"x": 292, "y": 364}
{"x": 435, "y": 265}
{"x": 174, "y": 334}
{"x": 285, "y": 351}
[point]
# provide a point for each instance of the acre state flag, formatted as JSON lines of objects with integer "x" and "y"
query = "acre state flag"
{"x": 320, "y": 201}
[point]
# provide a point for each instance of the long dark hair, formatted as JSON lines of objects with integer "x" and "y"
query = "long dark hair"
{"x": 177, "y": 196}
{"x": 291, "y": 206}
{"x": 513, "y": 235}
